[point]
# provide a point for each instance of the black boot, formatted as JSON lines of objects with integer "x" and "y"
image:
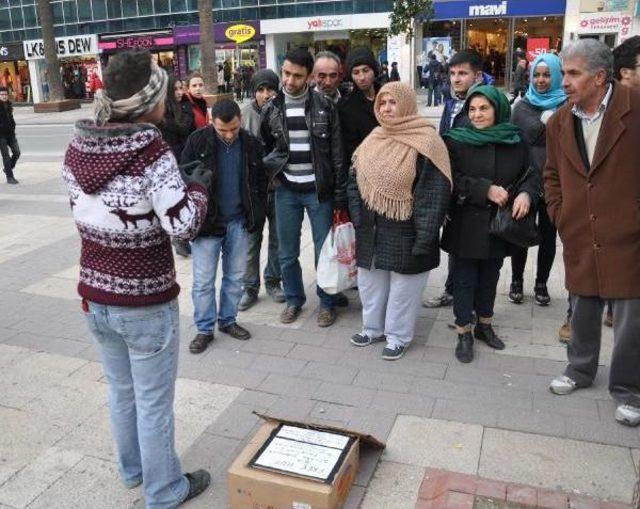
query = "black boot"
{"x": 484, "y": 332}
{"x": 464, "y": 350}
{"x": 515, "y": 292}
{"x": 541, "y": 294}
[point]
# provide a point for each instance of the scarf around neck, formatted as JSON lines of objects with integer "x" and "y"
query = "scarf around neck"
{"x": 385, "y": 163}
{"x": 553, "y": 98}
{"x": 502, "y": 132}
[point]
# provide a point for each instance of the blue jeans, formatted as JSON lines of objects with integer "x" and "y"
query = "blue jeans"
{"x": 290, "y": 207}
{"x": 206, "y": 253}
{"x": 139, "y": 350}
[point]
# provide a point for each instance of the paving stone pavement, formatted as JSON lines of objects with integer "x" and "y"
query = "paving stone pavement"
{"x": 494, "y": 418}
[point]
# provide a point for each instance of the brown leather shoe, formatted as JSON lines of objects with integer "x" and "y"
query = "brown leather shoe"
{"x": 290, "y": 314}
{"x": 326, "y": 317}
{"x": 200, "y": 343}
{"x": 564, "y": 334}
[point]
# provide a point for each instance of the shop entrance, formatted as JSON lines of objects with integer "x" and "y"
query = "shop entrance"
{"x": 490, "y": 38}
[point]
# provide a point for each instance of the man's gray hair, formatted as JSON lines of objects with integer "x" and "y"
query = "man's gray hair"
{"x": 328, "y": 54}
{"x": 596, "y": 55}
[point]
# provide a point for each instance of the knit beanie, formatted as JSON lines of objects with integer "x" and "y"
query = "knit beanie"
{"x": 362, "y": 56}
{"x": 265, "y": 77}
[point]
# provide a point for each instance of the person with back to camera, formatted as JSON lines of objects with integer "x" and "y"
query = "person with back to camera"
{"x": 125, "y": 209}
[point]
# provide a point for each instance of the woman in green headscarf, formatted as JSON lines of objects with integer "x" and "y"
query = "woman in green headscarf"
{"x": 488, "y": 159}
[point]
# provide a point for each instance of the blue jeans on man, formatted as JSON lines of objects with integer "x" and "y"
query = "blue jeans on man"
{"x": 139, "y": 348}
{"x": 290, "y": 208}
{"x": 206, "y": 252}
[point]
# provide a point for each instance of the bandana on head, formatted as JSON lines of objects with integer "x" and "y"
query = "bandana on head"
{"x": 385, "y": 162}
{"x": 105, "y": 109}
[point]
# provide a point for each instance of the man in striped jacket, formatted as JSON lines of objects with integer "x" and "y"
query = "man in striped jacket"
{"x": 301, "y": 133}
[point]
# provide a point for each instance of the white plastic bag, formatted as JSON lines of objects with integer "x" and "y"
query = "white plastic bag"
{"x": 337, "y": 262}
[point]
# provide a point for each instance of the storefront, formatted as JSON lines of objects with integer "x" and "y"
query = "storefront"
{"x": 609, "y": 21}
{"x": 78, "y": 57}
{"x": 159, "y": 43}
{"x": 336, "y": 33}
{"x": 237, "y": 45}
{"x": 497, "y": 29}
{"x": 14, "y": 72}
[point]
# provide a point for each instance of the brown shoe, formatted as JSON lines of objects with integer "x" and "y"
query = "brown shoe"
{"x": 290, "y": 314}
{"x": 200, "y": 343}
{"x": 326, "y": 317}
{"x": 608, "y": 319}
{"x": 564, "y": 334}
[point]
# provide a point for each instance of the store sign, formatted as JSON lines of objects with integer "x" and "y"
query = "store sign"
{"x": 240, "y": 33}
{"x": 537, "y": 46}
{"x": 611, "y": 22}
{"x": 65, "y": 47}
{"x": 10, "y": 52}
{"x": 221, "y": 31}
{"x": 134, "y": 42}
{"x": 603, "y": 5}
{"x": 337, "y": 23}
{"x": 461, "y": 9}
{"x": 488, "y": 10}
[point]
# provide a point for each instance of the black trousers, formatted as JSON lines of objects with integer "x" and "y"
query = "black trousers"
{"x": 9, "y": 143}
{"x": 474, "y": 288}
{"x": 583, "y": 351}
{"x": 546, "y": 250}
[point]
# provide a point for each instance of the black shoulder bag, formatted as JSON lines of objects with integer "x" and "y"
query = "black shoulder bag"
{"x": 521, "y": 232}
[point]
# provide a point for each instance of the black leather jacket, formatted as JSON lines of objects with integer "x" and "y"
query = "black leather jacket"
{"x": 326, "y": 145}
{"x": 201, "y": 146}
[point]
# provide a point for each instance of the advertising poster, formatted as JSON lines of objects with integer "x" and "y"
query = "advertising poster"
{"x": 440, "y": 46}
{"x": 536, "y": 46}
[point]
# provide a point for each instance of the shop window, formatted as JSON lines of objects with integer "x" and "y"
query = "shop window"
{"x": 16, "y": 18}
{"x": 535, "y": 35}
{"x": 287, "y": 11}
{"x": 249, "y": 3}
{"x": 343, "y": 7}
{"x": 145, "y": 7}
{"x": 114, "y": 9}
{"x": 129, "y": 9}
{"x": 306, "y": 9}
{"x": 84, "y": 10}
{"x": 268, "y": 12}
{"x": 99, "y": 9}
{"x": 162, "y": 6}
{"x": 70, "y": 13}
{"x": 363, "y": 6}
{"x": 58, "y": 16}
{"x": 250, "y": 13}
{"x": 178, "y": 6}
{"x": 228, "y": 4}
{"x": 4, "y": 20}
{"x": 29, "y": 16}
{"x": 382, "y": 5}
{"x": 231, "y": 15}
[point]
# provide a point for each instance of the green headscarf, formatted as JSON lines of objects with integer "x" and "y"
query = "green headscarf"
{"x": 502, "y": 131}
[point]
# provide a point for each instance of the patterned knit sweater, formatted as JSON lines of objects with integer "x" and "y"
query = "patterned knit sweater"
{"x": 127, "y": 197}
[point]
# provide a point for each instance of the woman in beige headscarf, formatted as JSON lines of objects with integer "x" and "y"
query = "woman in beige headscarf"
{"x": 399, "y": 190}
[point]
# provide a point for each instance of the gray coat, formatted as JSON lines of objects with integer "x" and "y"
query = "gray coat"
{"x": 405, "y": 247}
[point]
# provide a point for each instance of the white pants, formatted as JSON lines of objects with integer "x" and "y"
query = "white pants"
{"x": 390, "y": 303}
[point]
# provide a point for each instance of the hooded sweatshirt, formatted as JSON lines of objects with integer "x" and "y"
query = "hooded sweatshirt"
{"x": 127, "y": 197}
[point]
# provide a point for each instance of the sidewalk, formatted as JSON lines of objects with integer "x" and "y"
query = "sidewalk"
{"x": 494, "y": 418}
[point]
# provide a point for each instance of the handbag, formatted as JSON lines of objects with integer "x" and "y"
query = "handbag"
{"x": 520, "y": 232}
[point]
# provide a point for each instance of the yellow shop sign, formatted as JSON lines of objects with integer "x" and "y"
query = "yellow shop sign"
{"x": 240, "y": 33}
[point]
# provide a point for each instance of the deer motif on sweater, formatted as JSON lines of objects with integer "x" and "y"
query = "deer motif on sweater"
{"x": 173, "y": 213}
{"x": 126, "y": 218}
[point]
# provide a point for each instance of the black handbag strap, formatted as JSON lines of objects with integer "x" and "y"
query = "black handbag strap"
{"x": 512, "y": 188}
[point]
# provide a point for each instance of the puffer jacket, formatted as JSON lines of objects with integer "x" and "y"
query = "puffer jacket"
{"x": 405, "y": 247}
{"x": 326, "y": 145}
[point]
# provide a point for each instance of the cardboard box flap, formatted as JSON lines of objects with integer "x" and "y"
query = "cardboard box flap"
{"x": 365, "y": 438}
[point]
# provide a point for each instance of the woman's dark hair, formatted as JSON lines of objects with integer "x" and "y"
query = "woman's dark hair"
{"x": 226, "y": 110}
{"x": 301, "y": 57}
{"x": 127, "y": 73}
{"x": 172, "y": 107}
{"x": 467, "y": 56}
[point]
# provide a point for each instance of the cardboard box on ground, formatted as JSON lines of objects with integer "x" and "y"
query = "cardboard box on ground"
{"x": 257, "y": 480}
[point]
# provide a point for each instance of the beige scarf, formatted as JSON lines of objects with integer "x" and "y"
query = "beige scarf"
{"x": 385, "y": 162}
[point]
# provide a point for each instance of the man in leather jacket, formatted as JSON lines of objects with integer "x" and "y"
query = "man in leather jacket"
{"x": 303, "y": 157}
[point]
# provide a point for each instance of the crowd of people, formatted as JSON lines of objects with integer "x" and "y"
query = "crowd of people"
{"x": 566, "y": 155}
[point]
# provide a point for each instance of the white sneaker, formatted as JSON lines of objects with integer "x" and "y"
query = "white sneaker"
{"x": 562, "y": 385}
{"x": 629, "y": 415}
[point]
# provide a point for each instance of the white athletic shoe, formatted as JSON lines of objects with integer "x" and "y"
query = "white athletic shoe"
{"x": 562, "y": 385}
{"x": 629, "y": 415}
